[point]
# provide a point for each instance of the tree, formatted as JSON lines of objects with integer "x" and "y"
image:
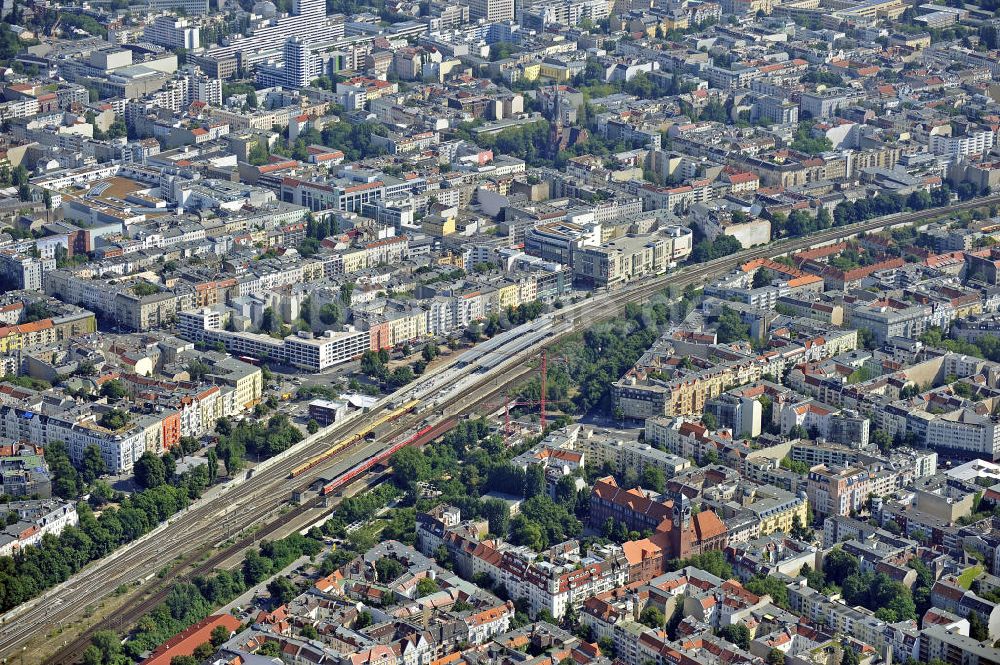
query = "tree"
{"x": 474, "y": 331}
{"x": 652, "y": 617}
{"x": 430, "y": 351}
{"x": 232, "y": 453}
{"x": 400, "y": 377}
{"x": 534, "y": 481}
{"x": 308, "y": 247}
{"x": 203, "y": 652}
{"x": 762, "y": 278}
{"x": 258, "y": 154}
{"x": 114, "y": 390}
{"x": 271, "y": 649}
{"x": 409, "y": 466}
{"x": 497, "y": 512}
{"x": 197, "y": 369}
{"x": 426, "y": 586}
{"x": 978, "y": 630}
{"x": 150, "y": 470}
{"x": 919, "y": 200}
{"x": 527, "y": 533}
{"x": 775, "y": 657}
{"x": 493, "y": 326}
{"x": 839, "y": 565}
{"x": 388, "y": 569}
{"x": 270, "y": 322}
{"x": 565, "y": 491}
{"x": 67, "y": 482}
{"x": 223, "y": 427}
{"x": 730, "y": 328}
{"x": 256, "y": 568}
{"x": 346, "y": 292}
{"x": 373, "y": 365}
{"x": 281, "y": 590}
{"x": 312, "y": 426}
{"x": 114, "y": 420}
{"x": 329, "y": 313}
{"x": 713, "y": 563}
{"x": 93, "y": 464}
{"x": 184, "y": 660}
{"x": 737, "y": 633}
{"x": 92, "y": 656}
{"x": 795, "y": 466}
{"x": 824, "y": 219}
{"x": 653, "y": 478}
{"x": 108, "y": 645}
{"x": 219, "y": 636}
{"x": 709, "y": 421}
{"x": 769, "y": 586}
{"x": 212, "y": 459}
{"x": 805, "y": 141}
{"x": 882, "y": 439}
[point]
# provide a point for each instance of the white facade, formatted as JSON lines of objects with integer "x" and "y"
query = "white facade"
{"x": 974, "y": 143}
{"x": 173, "y": 33}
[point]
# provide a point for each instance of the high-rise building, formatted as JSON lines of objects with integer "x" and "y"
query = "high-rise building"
{"x": 267, "y": 40}
{"x": 173, "y": 33}
{"x": 203, "y": 88}
{"x": 296, "y": 63}
{"x": 492, "y": 10}
{"x": 189, "y": 7}
{"x": 316, "y": 8}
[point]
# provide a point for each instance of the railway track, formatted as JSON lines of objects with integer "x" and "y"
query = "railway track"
{"x": 129, "y": 614}
{"x": 206, "y": 523}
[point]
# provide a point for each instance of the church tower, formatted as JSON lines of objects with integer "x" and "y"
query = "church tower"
{"x": 680, "y": 534}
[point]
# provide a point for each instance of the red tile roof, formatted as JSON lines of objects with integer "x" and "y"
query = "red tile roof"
{"x": 185, "y": 642}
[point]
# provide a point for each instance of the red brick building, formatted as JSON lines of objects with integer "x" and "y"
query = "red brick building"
{"x": 185, "y": 642}
{"x": 677, "y": 532}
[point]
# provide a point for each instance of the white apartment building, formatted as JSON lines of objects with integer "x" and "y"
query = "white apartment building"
{"x": 35, "y": 519}
{"x": 308, "y": 352}
{"x": 173, "y": 33}
{"x": 974, "y": 143}
{"x": 493, "y": 11}
{"x": 966, "y": 431}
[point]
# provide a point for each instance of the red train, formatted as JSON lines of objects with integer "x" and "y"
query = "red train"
{"x": 428, "y": 433}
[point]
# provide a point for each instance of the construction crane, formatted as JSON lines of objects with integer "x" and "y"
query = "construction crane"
{"x": 542, "y": 393}
{"x": 508, "y": 402}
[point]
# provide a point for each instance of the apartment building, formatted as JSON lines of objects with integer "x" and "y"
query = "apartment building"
{"x": 838, "y": 491}
{"x": 631, "y": 257}
{"x": 173, "y": 33}
{"x": 945, "y": 644}
{"x": 23, "y": 471}
{"x": 837, "y": 616}
{"x": 24, "y": 271}
{"x": 976, "y": 142}
{"x": 888, "y": 318}
{"x": 312, "y": 353}
{"x": 35, "y": 520}
{"x": 628, "y": 455}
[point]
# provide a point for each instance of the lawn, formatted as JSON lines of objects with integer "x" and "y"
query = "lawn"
{"x": 965, "y": 579}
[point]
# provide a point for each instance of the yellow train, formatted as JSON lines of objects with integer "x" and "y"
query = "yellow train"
{"x": 344, "y": 443}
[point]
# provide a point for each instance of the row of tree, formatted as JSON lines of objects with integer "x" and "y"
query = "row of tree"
{"x": 888, "y": 599}
{"x": 254, "y": 437}
{"x": 189, "y": 602}
{"x": 36, "y": 569}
